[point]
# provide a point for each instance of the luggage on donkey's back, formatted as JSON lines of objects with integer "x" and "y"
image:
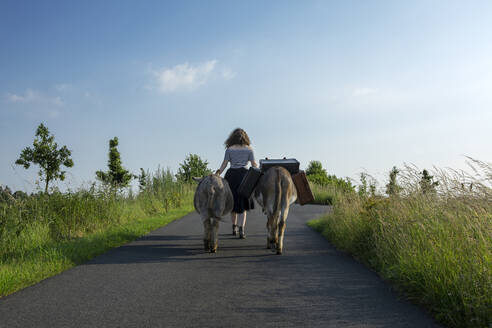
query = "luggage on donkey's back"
{"x": 290, "y": 164}
{"x": 304, "y": 193}
{"x": 249, "y": 182}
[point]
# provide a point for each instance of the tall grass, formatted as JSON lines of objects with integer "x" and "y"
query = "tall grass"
{"x": 38, "y": 225}
{"x": 435, "y": 247}
{"x": 324, "y": 195}
{"x": 326, "y": 187}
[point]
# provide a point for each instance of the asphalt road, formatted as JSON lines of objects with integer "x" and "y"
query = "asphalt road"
{"x": 165, "y": 279}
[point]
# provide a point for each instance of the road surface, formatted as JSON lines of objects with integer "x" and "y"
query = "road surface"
{"x": 165, "y": 279}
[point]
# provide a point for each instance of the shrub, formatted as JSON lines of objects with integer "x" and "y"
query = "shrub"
{"x": 317, "y": 175}
{"x": 193, "y": 166}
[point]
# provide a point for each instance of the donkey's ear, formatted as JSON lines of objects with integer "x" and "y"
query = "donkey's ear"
{"x": 197, "y": 179}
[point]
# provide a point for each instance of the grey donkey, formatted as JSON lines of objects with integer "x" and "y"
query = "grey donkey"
{"x": 275, "y": 192}
{"x": 213, "y": 200}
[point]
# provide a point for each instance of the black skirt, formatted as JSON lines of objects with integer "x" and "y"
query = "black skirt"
{"x": 234, "y": 177}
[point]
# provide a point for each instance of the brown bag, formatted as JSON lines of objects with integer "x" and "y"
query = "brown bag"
{"x": 304, "y": 193}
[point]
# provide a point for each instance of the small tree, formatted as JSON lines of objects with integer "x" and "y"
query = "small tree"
{"x": 142, "y": 179}
{"x": 316, "y": 173}
{"x": 193, "y": 166}
{"x": 117, "y": 177}
{"x": 392, "y": 188}
{"x": 427, "y": 183}
{"x": 47, "y": 155}
{"x": 362, "y": 188}
{"x": 314, "y": 168}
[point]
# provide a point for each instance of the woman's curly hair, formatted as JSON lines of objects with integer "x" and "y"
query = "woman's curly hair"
{"x": 237, "y": 137}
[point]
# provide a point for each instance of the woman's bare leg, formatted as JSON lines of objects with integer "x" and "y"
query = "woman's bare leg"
{"x": 242, "y": 234}
{"x": 234, "y": 223}
{"x": 243, "y": 224}
{"x": 234, "y": 218}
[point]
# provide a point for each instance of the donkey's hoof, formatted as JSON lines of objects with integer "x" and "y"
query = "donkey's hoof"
{"x": 279, "y": 252}
{"x": 213, "y": 250}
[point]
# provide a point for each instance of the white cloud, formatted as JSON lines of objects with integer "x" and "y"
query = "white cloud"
{"x": 63, "y": 87}
{"x": 34, "y": 97}
{"x": 15, "y": 98}
{"x": 228, "y": 74}
{"x": 57, "y": 101}
{"x": 188, "y": 77}
{"x": 184, "y": 76}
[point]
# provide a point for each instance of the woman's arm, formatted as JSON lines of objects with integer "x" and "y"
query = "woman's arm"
{"x": 222, "y": 167}
{"x": 251, "y": 158}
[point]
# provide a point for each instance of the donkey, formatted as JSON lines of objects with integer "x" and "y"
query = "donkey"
{"x": 213, "y": 200}
{"x": 275, "y": 192}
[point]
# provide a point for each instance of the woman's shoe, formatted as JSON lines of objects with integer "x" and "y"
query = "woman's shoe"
{"x": 234, "y": 229}
{"x": 242, "y": 235}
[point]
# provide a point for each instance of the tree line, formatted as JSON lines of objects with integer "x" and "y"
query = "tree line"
{"x": 367, "y": 187}
{"x": 53, "y": 161}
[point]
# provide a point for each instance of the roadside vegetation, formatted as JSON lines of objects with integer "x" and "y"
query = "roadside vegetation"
{"x": 326, "y": 187}
{"x": 430, "y": 235}
{"x": 49, "y": 231}
{"x": 42, "y": 235}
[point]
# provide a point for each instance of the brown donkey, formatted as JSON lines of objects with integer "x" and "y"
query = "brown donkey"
{"x": 275, "y": 193}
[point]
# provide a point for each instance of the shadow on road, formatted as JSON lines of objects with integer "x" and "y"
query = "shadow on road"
{"x": 180, "y": 248}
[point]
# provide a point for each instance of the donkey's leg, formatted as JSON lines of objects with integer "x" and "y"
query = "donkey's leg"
{"x": 282, "y": 224}
{"x": 206, "y": 234}
{"x": 214, "y": 234}
{"x": 272, "y": 231}
{"x": 269, "y": 225}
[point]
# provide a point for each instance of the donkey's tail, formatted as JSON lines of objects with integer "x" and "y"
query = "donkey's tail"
{"x": 278, "y": 194}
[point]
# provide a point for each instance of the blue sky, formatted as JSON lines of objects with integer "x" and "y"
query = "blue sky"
{"x": 358, "y": 85}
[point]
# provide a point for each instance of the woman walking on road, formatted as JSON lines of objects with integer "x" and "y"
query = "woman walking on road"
{"x": 238, "y": 153}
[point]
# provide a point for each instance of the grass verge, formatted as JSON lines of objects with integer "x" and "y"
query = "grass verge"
{"x": 44, "y": 234}
{"x": 436, "y": 248}
{"x": 54, "y": 257}
{"x": 323, "y": 195}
